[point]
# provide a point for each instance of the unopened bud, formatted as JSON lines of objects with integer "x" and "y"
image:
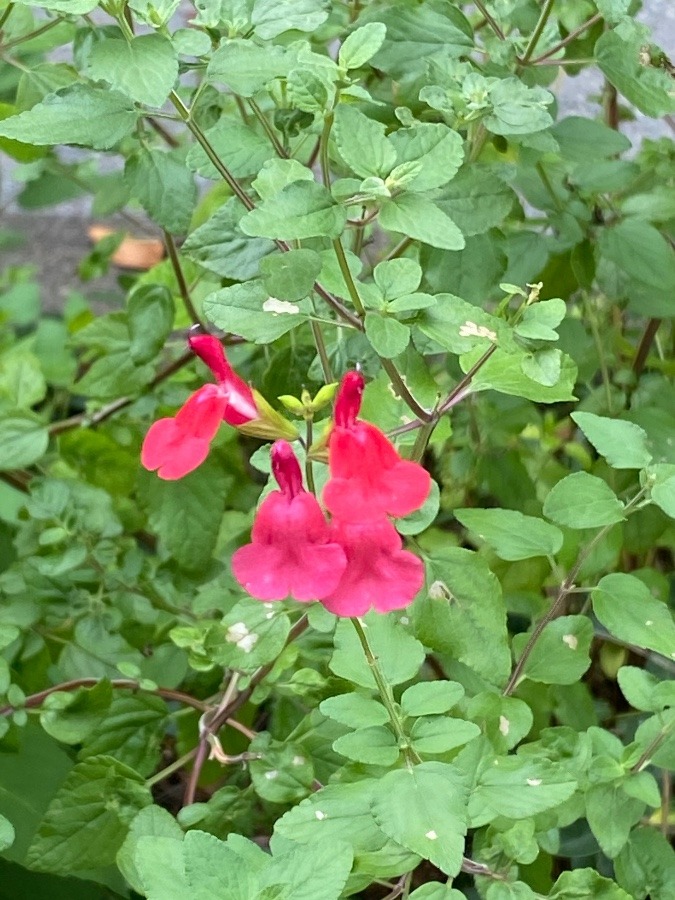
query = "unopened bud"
{"x": 270, "y": 424}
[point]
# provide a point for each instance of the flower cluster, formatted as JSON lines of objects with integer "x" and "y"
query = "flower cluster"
{"x": 355, "y": 561}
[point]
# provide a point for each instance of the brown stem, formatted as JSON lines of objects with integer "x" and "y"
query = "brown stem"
{"x": 162, "y": 132}
{"x": 573, "y": 35}
{"x": 183, "y": 288}
{"x": 480, "y": 6}
{"x": 644, "y": 346}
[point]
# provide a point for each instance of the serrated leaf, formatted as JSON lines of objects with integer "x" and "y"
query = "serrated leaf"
{"x": 23, "y": 440}
{"x": 399, "y": 654}
{"x": 7, "y": 834}
{"x": 160, "y": 867}
{"x": 163, "y": 186}
{"x": 459, "y": 326}
{"x": 240, "y": 148}
{"x": 629, "y": 611}
{"x": 583, "y": 501}
{"x": 644, "y": 691}
{"x": 249, "y": 636}
{"x": 583, "y": 883}
{"x": 240, "y": 309}
{"x": 476, "y": 200}
{"x": 88, "y": 116}
{"x": 362, "y": 143}
{"x": 430, "y": 697}
{"x": 438, "y": 150}
{"x": 543, "y": 366}
{"x": 271, "y": 18}
{"x": 645, "y": 865}
{"x": 611, "y": 814}
{"x": 151, "y": 822}
{"x": 424, "y": 809}
{"x": 88, "y": 819}
{"x": 419, "y": 218}
{"x": 213, "y": 869}
{"x": 22, "y": 383}
{"x": 561, "y": 653}
{"x": 131, "y": 732}
{"x": 620, "y": 59}
{"x": 397, "y": 277}
{"x": 282, "y": 773}
{"x": 70, "y": 7}
{"x": 301, "y": 210}
{"x": 220, "y": 246}
{"x": 318, "y": 872}
{"x": 540, "y": 320}
{"x": 246, "y": 67}
{"x": 150, "y": 314}
{"x": 517, "y": 109}
{"x": 144, "y": 68}
{"x": 512, "y": 535}
{"x": 71, "y": 716}
{"x": 374, "y": 745}
{"x": 623, "y": 444}
{"x": 387, "y": 336}
{"x": 361, "y": 45}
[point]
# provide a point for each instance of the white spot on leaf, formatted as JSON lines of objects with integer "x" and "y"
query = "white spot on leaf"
{"x": 280, "y": 307}
{"x": 534, "y": 782}
{"x": 298, "y": 760}
{"x": 470, "y": 329}
{"x": 571, "y": 641}
{"x": 319, "y": 815}
{"x": 431, "y": 835}
{"x": 272, "y": 774}
{"x": 504, "y": 725}
{"x": 239, "y": 635}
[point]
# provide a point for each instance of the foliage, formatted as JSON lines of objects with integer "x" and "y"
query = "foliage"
{"x": 376, "y": 182}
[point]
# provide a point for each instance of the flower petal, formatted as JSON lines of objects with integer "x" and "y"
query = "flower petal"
{"x": 202, "y": 413}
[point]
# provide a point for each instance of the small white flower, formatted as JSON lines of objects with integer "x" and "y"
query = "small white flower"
{"x": 280, "y": 307}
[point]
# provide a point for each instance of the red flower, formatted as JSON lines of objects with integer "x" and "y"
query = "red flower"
{"x": 379, "y": 573}
{"x": 368, "y": 477}
{"x": 176, "y": 446}
{"x": 291, "y": 552}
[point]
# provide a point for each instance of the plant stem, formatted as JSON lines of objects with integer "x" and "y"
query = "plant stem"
{"x": 480, "y": 6}
{"x": 269, "y": 131}
{"x": 170, "y": 769}
{"x": 183, "y": 288}
{"x": 309, "y": 467}
{"x": 573, "y": 35}
{"x": 6, "y": 14}
{"x": 347, "y": 275}
{"x": 536, "y": 34}
{"x": 320, "y": 345}
{"x": 644, "y": 346}
{"x": 386, "y": 694}
{"x": 30, "y": 36}
{"x": 653, "y": 746}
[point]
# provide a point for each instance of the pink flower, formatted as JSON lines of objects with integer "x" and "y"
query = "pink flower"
{"x": 176, "y": 446}
{"x": 379, "y": 573}
{"x": 368, "y": 477}
{"x": 291, "y": 552}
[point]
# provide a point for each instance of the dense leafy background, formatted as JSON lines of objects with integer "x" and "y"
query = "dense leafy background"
{"x": 381, "y": 183}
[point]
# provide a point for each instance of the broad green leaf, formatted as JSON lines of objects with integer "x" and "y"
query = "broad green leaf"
{"x": 464, "y": 614}
{"x": 361, "y": 45}
{"x": 387, "y": 336}
{"x": 88, "y": 116}
{"x": 271, "y": 18}
{"x": 424, "y": 809}
{"x": 301, "y": 210}
{"x": 309, "y": 91}
{"x": 23, "y": 440}
{"x": 540, "y": 320}
{"x": 504, "y": 720}
{"x": 71, "y": 716}
{"x": 439, "y": 734}
{"x": 611, "y": 814}
{"x": 397, "y": 277}
{"x": 131, "y": 732}
{"x": 656, "y": 737}
{"x": 623, "y": 444}
{"x": 543, "y": 366}
{"x": 421, "y": 519}
{"x": 644, "y": 691}
{"x": 282, "y": 773}
{"x": 476, "y": 200}
{"x": 317, "y": 872}
{"x": 421, "y": 219}
{"x": 237, "y": 145}
{"x": 113, "y": 375}
{"x": 430, "y": 697}
{"x": 212, "y": 869}
{"x": 70, "y": 7}
{"x": 276, "y": 174}
{"x": 186, "y": 514}
{"x": 246, "y": 67}
{"x": 7, "y": 834}
{"x": 374, "y": 745}
{"x": 144, "y": 68}
{"x": 645, "y": 865}
{"x": 163, "y": 186}
{"x": 354, "y": 709}
{"x": 150, "y": 313}
{"x": 516, "y": 108}
{"x": 561, "y": 652}
{"x": 585, "y": 883}
{"x": 89, "y": 817}
{"x": 250, "y": 635}
{"x": 583, "y": 501}
{"x": 612, "y": 11}
{"x": 220, "y": 246}
{"x": 399, "y": 654}
{"x": 629, "y": 611}
{"x": 662, "y": 479}
{"x": 621, "y": 61}
{"x": 581, "y": 139}
{"x": 249, "y": 311}
{"x": 151, "y": 822}
{"x": 290, "y": 276}
{"x": 459, "y": 326}
{"x": 361, "y": 143}
{"x": 22, "y": 383}
{"x": 512, "y": 535}
{"x": 159, "y": 866}
{"x": 439, "y": 151}
{"x": 503, "y": 372}
{"x": 436, "y": 891}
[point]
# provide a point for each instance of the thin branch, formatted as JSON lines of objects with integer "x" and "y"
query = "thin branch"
{"x": 644, "y": 346}
{"x": 183, "y": 288}
{"x": 536, "y": 34}
{"x": 653, "y": 746}
{"x": 480, "y": 6}
{"x": 30, "y": 36}
{"x": 269, "y": 131}
{"x": 572, "y": 36}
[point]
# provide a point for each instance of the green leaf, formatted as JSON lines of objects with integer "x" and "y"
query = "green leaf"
{"x": 561, "y": 653}
{"x": 439, "y": 734}
{"x": 151, "y": 822}
{"x": 512, "y": 535}
{"x": 387, "y": 336}
{"x": 516, "y": 108}
{"x": 436, "y": 891}
{"x": 399, "y": 654}
{"x": 361, "y": 143}
{"x": 459, "y": 326}
{"x": 246, "y": 67}
{"x": 430, "y": 697}
{"x": 629, "y": 611}
{"x": 464, "y": 614}
{"x": 663, "y": 489}
{"x": 644, "y": 691}
{"x": 241, "y": 149}
{"x": 354, "y": 710}
{"x": 424, "y": 809}
{"x": 213, "y": 869}
{"x": 88, "y": 819}
{"x": 283, "y": 773}
{"x": 504, "y": 372}
{"x": 131, "y": 732}
{"x": 271, "y": 18}
{"x": 421, "y": 519}
{"x": 150, "y": 313}
{"x": 583, "y": 501}
{"x": 290, "y": 276}
{"x": 249, "y": 311}
{"x": 540, "y": 320}
{"x": 144, "y": 68}
{"x": 623, "y": 444}
{"x": 361, "y": 45}
{"x": 317, "y": 872}
{"x": 276, "y": 174}
{"x": 70, "y": 7}
{"x": 611, "y": 814}
{"x": 437, "y": 149}
{"x": 159, "y": 865}
{"x": 645, "y": 865}
{"x": 21, "y": 380}
{"x": 88, "y": 116}
{"x": 621, "y": 61}
{"x": 220, "y": 246}
{"x": 163, "y": 186}
{"x": 418, "y": 218}
{"x": 476, "y": 200}
{"x": 584, "y": 883}
{"x": 301, "y": 210}
{"x": 543, "y": 366}
{"x": 114, "y": 374}
{"x": 7, "y": 834}
{"x": 249, "y": 636}
{"x": 612, "y": 11}
{"x": 23, "y": 440}
{"x": 581, "y": 139}
{"x": 186, "y": 514}
{"x": 397, "y": 277}
{"x": 374, "y": 745}
{"x": 504, "y": 720}
{"x": 70, "y": 716}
